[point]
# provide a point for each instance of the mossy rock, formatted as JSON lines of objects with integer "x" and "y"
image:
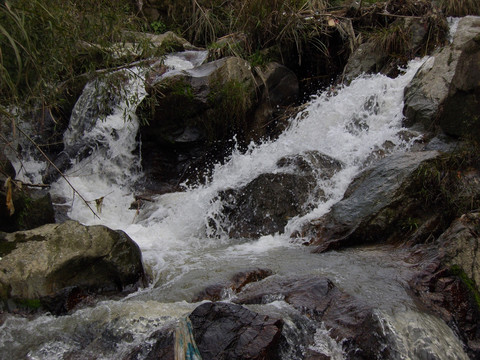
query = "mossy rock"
{"x": 53, "y": 266}
{"x": 31, "y": 209}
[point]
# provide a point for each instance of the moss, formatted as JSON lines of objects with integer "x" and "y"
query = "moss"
{"x": 469, "y": 283}
{"x": 31, "y": 304}
{"x": 229, "y": 105}
{"x": 6, "y": 247}
{"x": 440, "y": 185}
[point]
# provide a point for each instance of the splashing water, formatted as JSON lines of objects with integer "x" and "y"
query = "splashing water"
{"x": 349, "y": 125}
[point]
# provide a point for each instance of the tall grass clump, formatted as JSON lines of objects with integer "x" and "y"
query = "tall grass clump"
{"x": 459, "y": 7}
{"x": 264, "y": 22}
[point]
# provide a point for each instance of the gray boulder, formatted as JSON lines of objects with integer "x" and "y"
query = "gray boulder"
{"x": 460, "y": 245}
{"x": 374, "y": 205}
{"x": 372, "y": 57}
{"x": 443, "y": 88}
{"x": 55, "y": 266}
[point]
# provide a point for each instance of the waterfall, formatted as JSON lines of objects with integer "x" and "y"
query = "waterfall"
{"x": 183, "y": 252}
{"x": 350, "y": 124}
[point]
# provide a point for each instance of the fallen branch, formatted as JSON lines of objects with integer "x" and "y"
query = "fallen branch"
{"x": 58, "y": 170}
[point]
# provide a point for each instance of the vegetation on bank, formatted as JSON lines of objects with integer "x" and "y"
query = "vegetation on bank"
{"x": 46, "y": 44}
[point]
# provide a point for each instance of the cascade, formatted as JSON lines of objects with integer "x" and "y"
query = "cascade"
{"x": 184, "y": 248}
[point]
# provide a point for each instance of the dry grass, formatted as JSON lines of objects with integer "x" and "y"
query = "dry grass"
{"x": 459, "y": 7}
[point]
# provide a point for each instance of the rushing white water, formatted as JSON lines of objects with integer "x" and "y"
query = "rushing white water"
{"x": 183, "y": 253}
{"x": 350, "y": 126}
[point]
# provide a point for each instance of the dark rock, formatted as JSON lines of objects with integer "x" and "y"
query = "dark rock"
{"x": 194, "y": 115}
{"x": 265, "y": 205}
{"x": 31, "y": 209}
{"x": 349, "y": 320}
{"x": 460, "y": 246}
{"x": 373, "y": 206}
{"x": 312, "y": 162}
{"x": 55, "y": 265}
{"x": 448, "y": 294}
{"x": 6, "y": 168}
{"x": 279, "y": 87}
{"x": 160, "y": 345}
{"x": 237, "y": 282}
{"x": 459, "y": 114}
{"x": 372, "y": 57}
{"x": 229, "y": 331}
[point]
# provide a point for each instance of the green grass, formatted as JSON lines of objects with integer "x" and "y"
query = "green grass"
{"x": 469, "y": 283}
{"x": 47, "y": 43}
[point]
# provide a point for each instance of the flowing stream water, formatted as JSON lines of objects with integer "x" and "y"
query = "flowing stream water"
{"x": 183, "y": 251}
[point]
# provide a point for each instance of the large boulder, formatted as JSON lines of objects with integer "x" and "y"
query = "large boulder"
{"x": 55, "y": 266}
{"x": 374, "y": 205}
{"x": 190, "y": 116}
{"x": 448, "y": 278}
{"x": 265, "y": 205}
{"x": 349, "y": 320}
{"x": 460, "y": 245}
{"x": 446, "y": 87}
{"x": 228, "y": 331}
{"x": 187, "y": 113}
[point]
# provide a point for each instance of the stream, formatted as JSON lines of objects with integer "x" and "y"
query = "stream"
{"x": 184, "y": 250}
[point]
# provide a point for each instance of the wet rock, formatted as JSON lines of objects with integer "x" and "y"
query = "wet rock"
{"x": 448, "y": 277}
{"x": 459, "y": 114}
{"x": 265, "y": 205}
{"x": 311, "y": 162}
{"x": 349, "y": 320}
{"x": 237, "y": 282}
{"x": 460, "y": 245}
{"x": 371, "y": 57}
{"x": 194, "y": 115}
{"x": 374, "y": 205}
{"x": 444, "y": 87}
{"x": 31, "y": 209}
{"x": 230, "y": 331}
{"x": 160, "y": 345}
{"x": 364, "y": 60}
{"x": 448, "y": 293}
{"x": 56, "y": 265}
{"x": 279, "y": 87}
